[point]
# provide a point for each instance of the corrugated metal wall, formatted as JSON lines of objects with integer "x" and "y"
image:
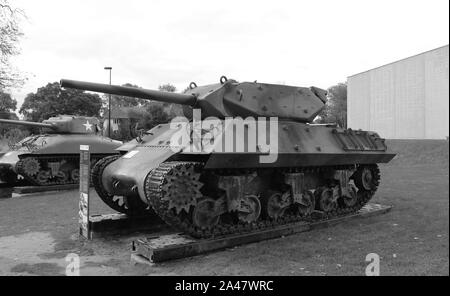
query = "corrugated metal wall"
{"x": 408, "y": 99}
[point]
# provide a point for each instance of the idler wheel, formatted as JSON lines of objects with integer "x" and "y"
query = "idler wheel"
{"x": 325, "y": 200}
{"x": 364, "y": 178}
{"x": 204, "y": 214}
{"x": 249, "y": 209}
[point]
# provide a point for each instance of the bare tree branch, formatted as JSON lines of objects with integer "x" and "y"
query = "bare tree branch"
{"x": 10, "y": 35}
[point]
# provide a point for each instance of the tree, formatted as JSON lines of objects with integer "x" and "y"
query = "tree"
{"x": 150, "y": 113}
{"x": 167, "y": 87}
{"x": 51, "y": 100}
{"x": 159, "y": 112}
{"x": 123, "y": 101}
{"x": 154, "y": 115}
{"x": 10, "y": 34}
{"x": 126, "y": 102}
{"x": 172, "y": 110}
{"x": 7, "y": 108}
{"x": 7, "y": 104}
{"x": 335, "y": 110}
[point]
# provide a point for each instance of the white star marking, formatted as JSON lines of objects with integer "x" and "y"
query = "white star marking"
{"x": 88, "y": 126}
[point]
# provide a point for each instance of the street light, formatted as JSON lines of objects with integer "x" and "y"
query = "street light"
{"x": 109, "y": 103}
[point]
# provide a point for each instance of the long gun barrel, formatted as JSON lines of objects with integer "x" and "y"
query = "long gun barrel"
{"x": 134, "y": 92}
{"x": 28, "y": 123}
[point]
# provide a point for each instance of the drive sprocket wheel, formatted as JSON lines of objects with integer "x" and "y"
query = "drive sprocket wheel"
{"x": 162, "y": 196}
{"x": 31, "y": 166}
{"x": 182, "y": 188}
{"x": 129, "y": 205}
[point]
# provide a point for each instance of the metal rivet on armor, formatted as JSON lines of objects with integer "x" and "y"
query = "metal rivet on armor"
{"x": 260, "y": 88}
{"x": 305, "y": 110}
{"x": 307, "y": 129}
{"x": 297, "y": 148}
{"x": 264, "y": 108}
{"x": 318, "y": 148}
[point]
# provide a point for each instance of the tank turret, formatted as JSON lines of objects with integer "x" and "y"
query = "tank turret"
{"x": 229, "y": 98}
{"x": 62, "y": 124}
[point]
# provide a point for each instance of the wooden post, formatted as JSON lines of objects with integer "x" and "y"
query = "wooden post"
{"x": 85, "y": 173}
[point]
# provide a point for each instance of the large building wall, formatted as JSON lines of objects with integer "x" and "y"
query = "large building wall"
{"x": 407, "y": 99}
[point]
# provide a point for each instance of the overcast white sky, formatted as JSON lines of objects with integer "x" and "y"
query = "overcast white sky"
{"x": 148, "y": 43}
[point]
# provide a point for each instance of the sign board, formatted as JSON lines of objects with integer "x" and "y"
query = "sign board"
{"x": 85, "y": 169}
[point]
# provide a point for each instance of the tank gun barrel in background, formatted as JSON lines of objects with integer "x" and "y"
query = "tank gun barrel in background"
{"x": 27, "y": 123}
{"x": 133, "y": 92}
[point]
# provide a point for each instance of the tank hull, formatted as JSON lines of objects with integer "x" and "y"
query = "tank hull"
{"x": 299, "y": 145}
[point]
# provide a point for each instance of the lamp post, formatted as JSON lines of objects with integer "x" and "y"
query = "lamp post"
{"x": 109, "y": 103}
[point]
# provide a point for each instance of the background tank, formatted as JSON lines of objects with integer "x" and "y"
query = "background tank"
{"x": 243, "y": 186}
{"x": 53, "y": 156}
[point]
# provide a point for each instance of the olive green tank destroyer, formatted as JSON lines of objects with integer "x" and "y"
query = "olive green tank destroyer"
{"x": 316, "y": 170}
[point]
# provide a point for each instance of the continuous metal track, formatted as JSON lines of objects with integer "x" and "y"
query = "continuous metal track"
{"x": 154, "y": 190}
